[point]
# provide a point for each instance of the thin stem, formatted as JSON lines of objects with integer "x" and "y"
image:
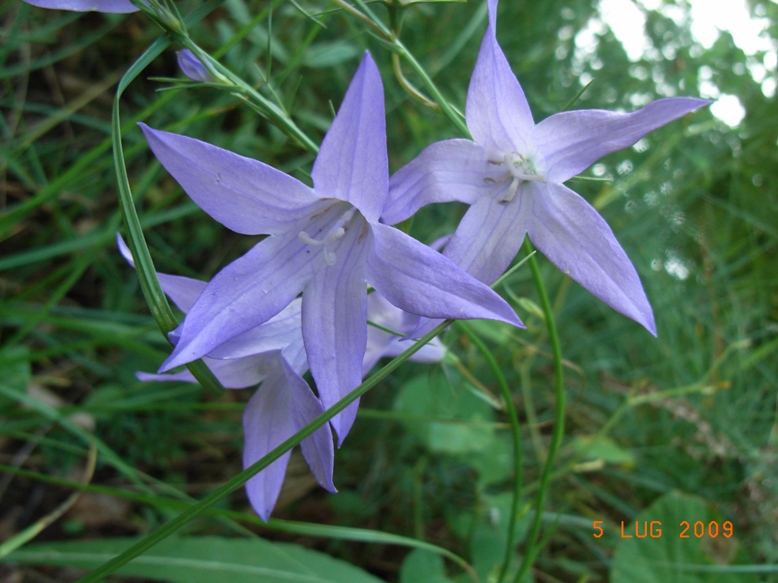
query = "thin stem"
{"x": 436, "y": 99}
{"x": 272, "y": 111}
{"x": 147, "y": 275}
{"x": 559, "y": 419}
{"x": 354, "y": 12}
{"x": 448, "y": 110}
{"x": 408, "y": 86}
{"x": 515, "y": 434}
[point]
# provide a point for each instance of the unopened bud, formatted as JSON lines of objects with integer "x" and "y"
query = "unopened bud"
{"x": 192, "y": 67}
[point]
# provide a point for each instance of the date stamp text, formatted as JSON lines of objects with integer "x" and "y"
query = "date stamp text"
{"x": 655, "y": 529}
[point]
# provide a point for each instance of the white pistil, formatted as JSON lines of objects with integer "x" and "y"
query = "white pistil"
{"x": 520, "y": 169}
{"x": 335, "y": 233}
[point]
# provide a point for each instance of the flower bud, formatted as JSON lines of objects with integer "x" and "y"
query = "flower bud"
{"x": 192, "y": 67}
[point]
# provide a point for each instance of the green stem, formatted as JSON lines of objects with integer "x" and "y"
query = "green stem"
{"x": 242, "y": 89}
{"x": 452, "y": 114}
{"x": 147, "y": 274}
{"x": 559, "y": 421}
{"x": 515, "y": 434}
{"x": 398, "y": 47}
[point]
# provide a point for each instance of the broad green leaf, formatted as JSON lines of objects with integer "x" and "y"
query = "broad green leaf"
{"x": 496, "y": 332}
{"x": 458, "y": 421}
{"x": 605, "y": 449}
{"x": 490, "y": 535}
{"x": 202, "y": 560}
{"x": 328, "y": 54}
{"x": 658, "y": 553}
{"x": 423, "y": 566}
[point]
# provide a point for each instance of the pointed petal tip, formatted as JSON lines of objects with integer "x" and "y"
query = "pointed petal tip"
{"x": 367, "y": 57}
{"x": 263, "y": 513}
{"x": 329, "y": 486}
{"x": 492, "y": 7}
{"x": 148, "y": 132}
{"x": 151, "y": 134}
{"x": 175, "y": 359}
{"x": 343, "y": 422}
{"x": 650, "y": 325}
{"x": 686, "y": 104}
{"x": 124, "y": 250}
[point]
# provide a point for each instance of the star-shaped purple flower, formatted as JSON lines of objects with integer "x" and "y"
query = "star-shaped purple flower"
{"x": 325, "y": 242}
{"x": 272, "y": 354}
{"x": 512, "y": 175}
{"x": 120, "y": 6}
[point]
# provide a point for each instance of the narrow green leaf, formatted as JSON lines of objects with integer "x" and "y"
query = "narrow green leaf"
{"x": 202, "y": 560}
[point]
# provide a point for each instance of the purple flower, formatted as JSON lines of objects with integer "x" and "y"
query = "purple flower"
{"x": 87, "y": 5}
{"x": 512, "y": 175}
{"x": 325, "y": 242}
{"x": 272, "y": 354}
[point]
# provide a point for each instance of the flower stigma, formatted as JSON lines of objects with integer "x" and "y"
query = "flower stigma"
{"x": 332, "y": 236}
{"x": 518, "y": 169}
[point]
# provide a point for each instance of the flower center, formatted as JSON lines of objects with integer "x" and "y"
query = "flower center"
{"x": 518, "y": 169}
{"x": 331, "y": 235}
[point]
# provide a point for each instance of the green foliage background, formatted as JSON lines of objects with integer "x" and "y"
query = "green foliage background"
{"x": 688, "y": 419}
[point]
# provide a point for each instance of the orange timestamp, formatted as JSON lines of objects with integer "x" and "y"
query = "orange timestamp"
{"x": 654, "y": 529}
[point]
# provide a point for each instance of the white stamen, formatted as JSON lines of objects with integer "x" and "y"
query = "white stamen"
{"x": 512, "y": 190}
{"x": 519, "y": 169}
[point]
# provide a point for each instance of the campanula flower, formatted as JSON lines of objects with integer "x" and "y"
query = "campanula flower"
{"x": 326, "y": 242}
{"x": 272, "y": 354}
{"x": 512, "y": 175}
{"x": 121, "y": 6}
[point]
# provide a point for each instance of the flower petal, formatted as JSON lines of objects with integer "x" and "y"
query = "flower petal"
{"x": 184, "y": 291}
{"x": 266, "y": 425}
{"x": 304, "y": 407}
{"x": 444, "y": 172}
{"x": 570, "y": 141}
{"x": 497, "y": 112}
{"x": 295, "y": 355}
{"x": 575, "y": 238}
{"x": 243, "y": 295}
{"x": 421, "y": 281}
{"x": 244, "y": 195}
{"x": 237, "y": 373}
{"x": 334, "y": 318}
{"x": 277, "y": 333}
{"x": 282, "y": 406}
{"x": 489, "y": 236}
{"x": 381, "y": 344}
{"x": 352, "y": 164}
{"x": 116, "y": 6}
